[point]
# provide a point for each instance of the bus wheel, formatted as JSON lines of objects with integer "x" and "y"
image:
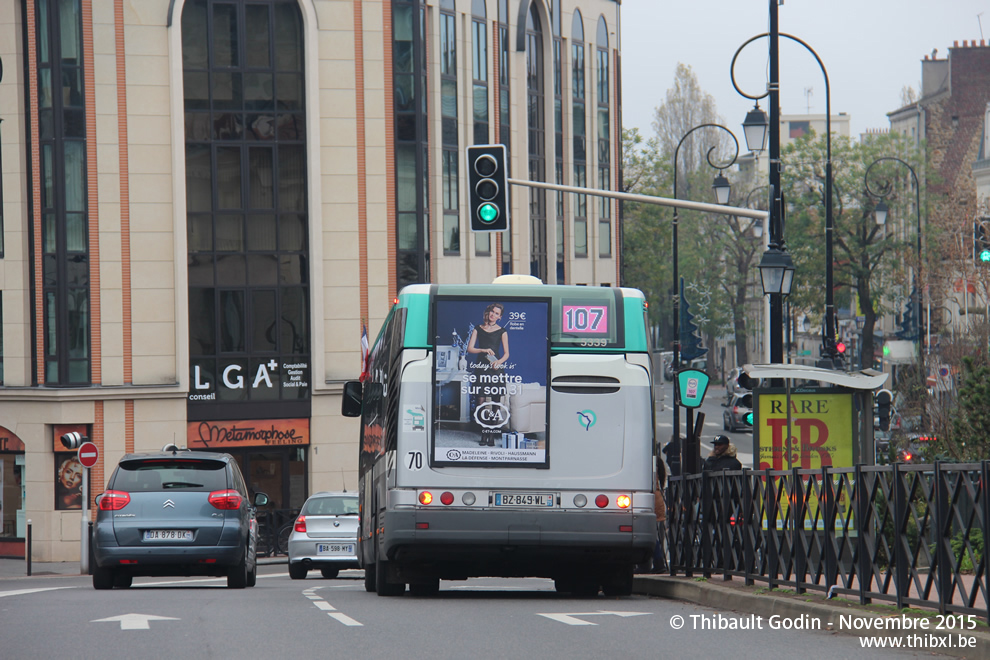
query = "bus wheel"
{"x": 383, "y": 586}
{"x": 422, "y": 590}
{"x": 619, "y": 585}
{"x": 369, "y": 578}
{"x": 585, "y": 587}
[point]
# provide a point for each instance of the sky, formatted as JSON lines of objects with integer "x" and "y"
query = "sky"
{"x": 871, "y": 50}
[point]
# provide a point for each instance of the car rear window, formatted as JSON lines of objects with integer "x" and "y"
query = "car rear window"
{"x": 331, "y": 506}
{"x": 170, "y": 474}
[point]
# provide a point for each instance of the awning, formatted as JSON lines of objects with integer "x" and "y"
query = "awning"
{"x": 867, "y": 379}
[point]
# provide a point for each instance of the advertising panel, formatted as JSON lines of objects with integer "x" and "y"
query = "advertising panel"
{"x": 490, "y": 371}
{"x": 822, "y": 429}
{"x": 822, "y": 435}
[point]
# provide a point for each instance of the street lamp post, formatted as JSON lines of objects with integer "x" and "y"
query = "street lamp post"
{"x": 830, "y": 356}
{"x": 720, "y": 185}
{"x": 881, "y": 217}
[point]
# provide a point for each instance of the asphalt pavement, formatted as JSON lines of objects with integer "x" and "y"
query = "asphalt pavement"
{"x": 840, "y": 615}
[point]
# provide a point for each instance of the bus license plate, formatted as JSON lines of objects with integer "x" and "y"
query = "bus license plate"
{"x": 168, "y": 535}
{"x": 334, "y": 549}
{"x": 524, "y": 499}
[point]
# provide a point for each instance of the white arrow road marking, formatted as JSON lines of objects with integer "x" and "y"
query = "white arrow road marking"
{"x": 135, "y": 621}
{"x": 21, "y": 592}
{"x": 328, "y": 608}
{"x": 571, "y": 620}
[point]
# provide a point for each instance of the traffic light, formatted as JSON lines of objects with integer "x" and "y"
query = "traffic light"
{"x": 691, "y": 348}
{"x": 909, "y": 322}
{"x": 488, "y": 187}
{"x": 73, "y": 440}
{"x": 981, "y": 242}
{"x": 882, "y": 401}
{"x": 747, "y": 382}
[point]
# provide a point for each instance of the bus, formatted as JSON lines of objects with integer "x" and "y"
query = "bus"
{"x": 507, "y": 430}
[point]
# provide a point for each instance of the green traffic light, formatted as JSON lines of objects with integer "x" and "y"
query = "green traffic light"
{"x": 488, "y": 213}
{"x": 749, "y": 419}
{"x": 985, "y": 256}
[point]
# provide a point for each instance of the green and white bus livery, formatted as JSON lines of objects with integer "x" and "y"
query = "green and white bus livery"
{"x": 507, "y": 430}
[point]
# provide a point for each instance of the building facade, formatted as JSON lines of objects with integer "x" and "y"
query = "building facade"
{"x": 205, "y": 202}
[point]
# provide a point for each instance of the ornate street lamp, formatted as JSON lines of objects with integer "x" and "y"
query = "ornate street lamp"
{"x": 755, "y": 129}
{"x": 721, "y": 187}
{"x": 880, "y": 215}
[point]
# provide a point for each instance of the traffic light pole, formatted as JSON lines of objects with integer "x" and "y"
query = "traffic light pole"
{"x": 706, "y": 207}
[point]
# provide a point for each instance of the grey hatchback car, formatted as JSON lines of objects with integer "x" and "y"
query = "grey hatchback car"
{"x": 176, "y": 512}
{"x": 324, "y": 536}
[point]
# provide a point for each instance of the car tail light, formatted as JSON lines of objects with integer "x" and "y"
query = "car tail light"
{"x": 227, "y": 500}
{"x": 426, "y": 497}
{"x": 735, "y": 410}
{"x": 601, "y": 501}
{"x": 114, "y": 500}
{"x": 300, "y": 525}
{"x": 447, "y": 498}
{"x": 623, "y": 501}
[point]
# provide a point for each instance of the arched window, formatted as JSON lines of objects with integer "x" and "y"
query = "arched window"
{"x": 580, "y": 135}
{"x": 412, "y": 168}
{"x": 604, "y": 142}
{"x": 558, "y": 134}
{"x": 448, "y": 128}
{"x": 537, "y": 150}
{"x": 504, "y": 118}
{"x": 64, "y": 240}
{"x": 479, "y": 97}
{"x": 246, "y": 208}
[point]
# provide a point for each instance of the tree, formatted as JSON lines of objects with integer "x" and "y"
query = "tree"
{"x": 868, "y": 273}
{"x": 969, "y": 436}
{"x": 715, "y": 251}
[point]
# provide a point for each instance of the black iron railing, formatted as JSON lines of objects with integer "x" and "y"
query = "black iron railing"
{"x": 274, "y": 527}
{"x": 913, "y": 535}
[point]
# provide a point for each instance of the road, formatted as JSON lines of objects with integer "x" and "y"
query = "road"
{"x": 48, "y": 617}
{"x": 713, "y": 408}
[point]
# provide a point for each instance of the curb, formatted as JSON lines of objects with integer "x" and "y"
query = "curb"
{"x": 814, "y": 616}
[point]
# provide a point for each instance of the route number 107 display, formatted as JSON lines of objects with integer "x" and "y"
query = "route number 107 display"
{"x": 586, "y": 319}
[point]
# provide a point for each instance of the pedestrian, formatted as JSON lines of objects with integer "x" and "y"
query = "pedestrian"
{"x": 722, "y": 457}
{"x": 660, "y": 506}
{"x": 672, "y": 452}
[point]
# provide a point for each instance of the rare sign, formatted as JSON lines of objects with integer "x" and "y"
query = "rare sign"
{"x": 822, "y": 429}
{"x": 490, "y": 371}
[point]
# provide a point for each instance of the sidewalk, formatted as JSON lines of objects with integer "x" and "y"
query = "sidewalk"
{"x": 811, "y": 609}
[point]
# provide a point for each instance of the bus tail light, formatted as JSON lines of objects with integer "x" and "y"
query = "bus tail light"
{"x": 447, "y": 498}
{"x": 426, "y": 497}
{"x": 601, "y": 501}
{"x": 625, "y": 528}
{"x": 623, "y": 501}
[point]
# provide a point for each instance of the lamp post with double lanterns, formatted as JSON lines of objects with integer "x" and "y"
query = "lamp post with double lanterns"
{"x": 830, "y": 356}
{"x": 880, "y": 215}
{"x": 721, "y": 188}
{"x": 776, "y": 266}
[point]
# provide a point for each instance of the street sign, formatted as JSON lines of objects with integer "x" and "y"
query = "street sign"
{"x": 88, "y": 454}
{"x": 692, "y": 386}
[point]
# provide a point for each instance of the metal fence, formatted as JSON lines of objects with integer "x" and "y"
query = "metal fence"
{"x": 911, "y": 535}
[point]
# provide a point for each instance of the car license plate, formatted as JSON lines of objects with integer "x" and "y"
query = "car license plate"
{"x": 524, "y": 499}
{"x": 334, "y": 549}
{"x": 168, "y": 535}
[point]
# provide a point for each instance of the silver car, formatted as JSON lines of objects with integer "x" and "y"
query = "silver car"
{"x": 324, "y": 535}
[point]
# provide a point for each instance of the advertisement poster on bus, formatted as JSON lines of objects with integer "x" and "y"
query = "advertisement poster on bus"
{"x": 490, "y": 372}
{"x": 822, "y": 434}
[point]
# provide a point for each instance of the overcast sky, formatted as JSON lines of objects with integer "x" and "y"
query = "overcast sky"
{"x": 870, "y": 48}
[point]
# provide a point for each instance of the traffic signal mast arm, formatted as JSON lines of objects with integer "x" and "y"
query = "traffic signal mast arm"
{"x": 724, "y": 209}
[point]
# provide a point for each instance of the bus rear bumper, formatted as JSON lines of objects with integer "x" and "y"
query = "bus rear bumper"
{"x": 516, "y": 543}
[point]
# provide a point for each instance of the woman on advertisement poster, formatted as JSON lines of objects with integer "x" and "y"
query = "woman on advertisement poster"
{"x": 492, "y": 388}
